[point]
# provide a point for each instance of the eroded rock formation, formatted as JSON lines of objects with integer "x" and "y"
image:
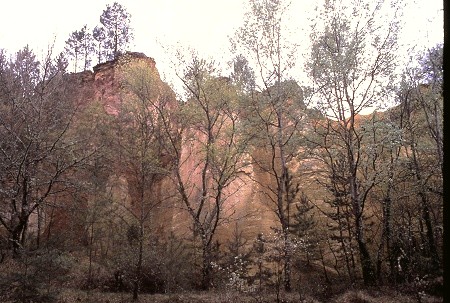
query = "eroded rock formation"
{"x": 244, "y": 203}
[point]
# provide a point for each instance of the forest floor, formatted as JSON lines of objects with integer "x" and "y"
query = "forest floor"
{"x": 351, "y": 296}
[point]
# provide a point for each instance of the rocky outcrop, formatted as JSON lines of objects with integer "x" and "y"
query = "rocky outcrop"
{"x": 244, "y": 197}
{"x": 103, "y": 84}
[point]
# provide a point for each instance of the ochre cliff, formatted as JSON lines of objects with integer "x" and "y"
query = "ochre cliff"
{"x": 244, "y": 205}
{"x": 249, "y": 203}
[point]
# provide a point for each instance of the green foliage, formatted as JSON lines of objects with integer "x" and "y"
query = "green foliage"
{"x": 236, "y": 262}
{"x": 117, "y": 31}
{"x": 79, "y": 46}
{"x": 38, "y": 147}
{"x": 99, "y": 35}
{"x": 263, "y": 272}
{"x": 303, "y": 226}
{"x": 243, "y": 75}
{"x": 105, "y": 41}
{"x": 352, "y": 63}
{"x": 431, "y": 66}
{"x": 95, "y": 183}
{"x": 35, "y": 276}
{"x": 263, "y": 41}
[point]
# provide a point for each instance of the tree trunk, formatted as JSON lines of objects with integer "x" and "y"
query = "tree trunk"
{"x": 385, "y": 238}
{"x": 91, "y": 242}
{"x": 322, "y": 259}
{"x": 366, "y": 264}
{"x": 287, "y": 261}
{"x": 137, "y": 279}
{"x": 347, "y": 252}
{"x": 429, "y": 233}
{"x": 425, "y": 210}
{"x": 39, "y": 227}
{"x": 367, "y": 267}
{"x": 206, "y": 267}
{"x": 18, "y": 236}
{"x": 15, "y": 239}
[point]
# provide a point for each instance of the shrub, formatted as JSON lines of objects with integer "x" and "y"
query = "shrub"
{"x": 34, "y": 276}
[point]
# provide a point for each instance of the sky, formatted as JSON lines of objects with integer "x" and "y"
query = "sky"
{"x": 161, "y": 25}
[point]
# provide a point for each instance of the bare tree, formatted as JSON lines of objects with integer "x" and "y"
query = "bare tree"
{"x": 420, "y": 116}
{"x": 80, "y": 46}
{"x": 275, "y": 108}
{"x": 98, "y": 33}
{"x": 138, "y": 141}
{"x": 38, "y": 145}
{"x": 207, "y": 147}
{"x": 352, "y": 63}
{"x": 215, "y": 143}
{"x": 117, "y": 30}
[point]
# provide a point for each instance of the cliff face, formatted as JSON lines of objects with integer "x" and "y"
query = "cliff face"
{"x": 105, "y": 87}
{"x": 243, "y": 208}
{"x": 103, "y": 84}
{"x": 248, "y": 205}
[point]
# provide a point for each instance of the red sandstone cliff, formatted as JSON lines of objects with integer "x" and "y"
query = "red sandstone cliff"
{"x": 245, "y": 196}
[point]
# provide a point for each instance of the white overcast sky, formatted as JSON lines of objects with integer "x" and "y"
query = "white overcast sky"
{"x": 202, "y": 24}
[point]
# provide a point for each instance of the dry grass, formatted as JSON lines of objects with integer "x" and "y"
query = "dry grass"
{"x": 383, "y": 296}
{"x": 351, "y": 296}
{"x": 361, "y": 296}
{"x": 72, "y": 296}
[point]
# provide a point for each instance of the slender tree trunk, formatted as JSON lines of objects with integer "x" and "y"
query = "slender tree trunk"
{"x": 18, "y": 235}
{"x": 116, "y": 41}
{"x": 425, "y": 210}
{"x": 287, "y": 261}
{"x": 50, "y": 225}
{"x": 367, "y": 267}
{"x": 141, "y": 219}
{"x": 322, "y": 259}
{"x": 336, "y": 260}
{"x": 91, "y": 242}
{"x": 429, "y": 233}
{"x": 16, "y": 243}
{"x": 343, "y": 244}
{"x": 206, "y": 265}
{"x": 385, "y": 237}
{"x": 282, "y": 190}
{"x": 39, "y": 227}
{"x": 137, "y": 279}
{"x": 350, "y": 228}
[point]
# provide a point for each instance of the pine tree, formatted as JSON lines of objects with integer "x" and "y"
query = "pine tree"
{"x": 80, "y": 46}
{"x": 118, "y": 33}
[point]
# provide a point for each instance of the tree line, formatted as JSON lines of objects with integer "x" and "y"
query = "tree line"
{"x": 355, "y": 199}
{"x": 105, "y": 42}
